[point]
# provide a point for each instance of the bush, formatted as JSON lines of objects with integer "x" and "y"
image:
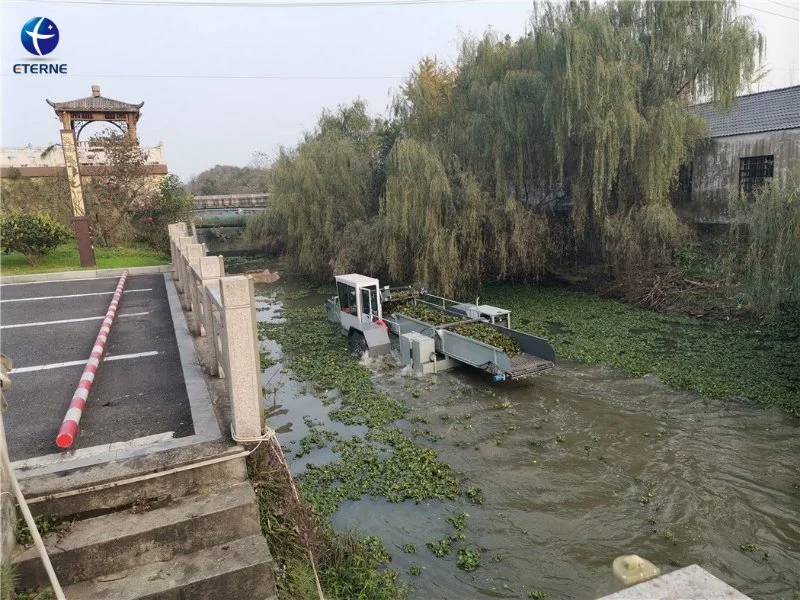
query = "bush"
{"x": 31, "y": 234}
{"x": 767, "y": 228}
{"x": 172, "y": 203}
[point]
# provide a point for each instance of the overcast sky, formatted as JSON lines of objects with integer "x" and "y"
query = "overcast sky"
{"x": 222, "y": 82}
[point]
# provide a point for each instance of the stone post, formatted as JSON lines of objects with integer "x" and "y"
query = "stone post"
{"x": 212, "y": 269}
{"x": 240, "y": 348}
{"x": 194, "y": 252}
{"x": 180, "y": 268}
{"x": 176, "y": 230}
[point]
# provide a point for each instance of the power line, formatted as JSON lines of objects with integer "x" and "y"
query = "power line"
{"x": 272, "y": 4}
{"x": 254, "y": 77}
{"x": 770, "y": 13}
{"x": 786, "y": 5}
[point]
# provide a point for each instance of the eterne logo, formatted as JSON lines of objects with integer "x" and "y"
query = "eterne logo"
{"x": 39, "y": 36}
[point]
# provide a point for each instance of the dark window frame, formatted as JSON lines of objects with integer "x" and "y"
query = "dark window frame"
{"x": 753, "y": 171}
{"x": 347, "y": 298}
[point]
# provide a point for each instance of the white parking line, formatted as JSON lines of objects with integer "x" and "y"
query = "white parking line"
{"x": 75, "y": 295}
{"x": 2, "y": 285}
{"x": 40, "y": 323}
{"x": 74, "y": 363}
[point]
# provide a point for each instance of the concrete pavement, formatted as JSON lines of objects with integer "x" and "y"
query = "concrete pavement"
{"x": 49, "y": 328}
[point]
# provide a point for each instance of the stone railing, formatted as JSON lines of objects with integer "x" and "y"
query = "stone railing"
{"x": 221, "y": 309}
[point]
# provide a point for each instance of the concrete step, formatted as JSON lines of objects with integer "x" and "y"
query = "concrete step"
{"x": 99, "y": 489}
{"x": 241, "y": 569}
{"x": 127, "y": 539}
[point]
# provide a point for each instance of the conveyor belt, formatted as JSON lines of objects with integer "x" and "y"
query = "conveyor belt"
{"x": 524, "y": 365}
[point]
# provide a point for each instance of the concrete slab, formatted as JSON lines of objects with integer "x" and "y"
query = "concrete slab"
{"x": 689, "y": 583}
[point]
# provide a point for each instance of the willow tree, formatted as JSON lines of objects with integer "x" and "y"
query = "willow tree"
{"x": 417, "y": 209}
{"x": 449, "y": 233}
{"x": 593, "y": 99}
{"x": 320, "y": 187}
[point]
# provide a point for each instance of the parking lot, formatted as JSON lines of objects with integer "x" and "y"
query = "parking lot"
{"x": 49, "y": 328}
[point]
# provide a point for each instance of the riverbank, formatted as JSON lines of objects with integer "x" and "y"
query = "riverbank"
{"x": 66, "y": 258}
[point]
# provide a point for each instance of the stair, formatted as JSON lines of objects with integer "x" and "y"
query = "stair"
{"x": 177, "y": 524}
{"x": 233, "y": 570}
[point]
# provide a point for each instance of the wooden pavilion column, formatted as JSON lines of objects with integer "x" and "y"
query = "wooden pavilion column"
{"x": 79, "y": 219}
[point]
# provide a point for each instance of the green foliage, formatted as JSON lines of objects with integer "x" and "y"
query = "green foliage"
{"x": 440, "y": 548}
{"x": 171, "y": 204}
{"x": 415, "y": 570}
{"x": 266, "y": 230}
{"x": 479, "y": 331}
{"x": 459, "y": 521}
{"x": 221, "y": 220}
{"x": 124, "y": 187}
{"x": 587, "y": 107}
{"x": 31, "y": 234}
{"x": 593, "y": 98}
{"x": 322, "y": 186}
{"x": 769, "y": 226}
{"x": 748, "y": 547}
{"x": 348, "y": 567}
{"x": 694, "y": 261}
{"x": 227, "y": 179}
{"x": 8, "y": 580}
{"x": 716, "y": 358}
{"x": 409, "y": 472}
{"x": 409, "y": 549}
{"x": 475, "y": 495}
{"x": 317, "y": 437}
{"x": 66, "y": 258}
{"x": 537, "y": 595}
{"x": 353, "y": 571}
{"x": 49, "y": 195}
{"x": 45, "y": 525}
{"x": 468, "y": 559}
{"x": 45, "y": 593}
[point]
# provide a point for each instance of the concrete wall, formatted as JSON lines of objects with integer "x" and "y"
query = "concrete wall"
{"x": 87, "y": 155}
{"x": 715, "y": 170}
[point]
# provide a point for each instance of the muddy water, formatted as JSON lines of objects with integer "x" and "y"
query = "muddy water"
{"x": 577, "y": 467}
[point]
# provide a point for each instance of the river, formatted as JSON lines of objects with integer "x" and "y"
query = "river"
{"x": 577, "y": 466}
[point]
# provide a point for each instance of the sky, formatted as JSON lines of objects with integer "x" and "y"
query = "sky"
{"x": 224, "y": 80}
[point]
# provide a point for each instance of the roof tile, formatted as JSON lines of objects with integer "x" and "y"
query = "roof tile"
{"x": 765, "y": 111}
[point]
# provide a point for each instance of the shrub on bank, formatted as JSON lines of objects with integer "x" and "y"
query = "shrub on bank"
{"x": 31, "y": 234}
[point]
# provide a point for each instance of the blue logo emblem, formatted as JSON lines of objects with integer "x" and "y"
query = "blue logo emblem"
{"x": 39, "y": 36}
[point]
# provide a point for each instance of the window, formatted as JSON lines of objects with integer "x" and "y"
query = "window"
{"x": 369, "y": 301}
{"x": 753, "y": 170}
{"x": 347, "y": 298}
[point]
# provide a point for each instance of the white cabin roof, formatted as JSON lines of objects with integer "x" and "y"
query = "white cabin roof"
{"x": 492, "y": 311}
{"x": 357, "y": 280}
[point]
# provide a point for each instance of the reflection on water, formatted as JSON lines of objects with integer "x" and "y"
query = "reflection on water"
{"x": 578, "y": 466}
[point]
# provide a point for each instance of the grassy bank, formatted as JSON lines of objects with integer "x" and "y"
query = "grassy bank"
{"x": 719, "y": 359}
{"x": 66, "y": 258}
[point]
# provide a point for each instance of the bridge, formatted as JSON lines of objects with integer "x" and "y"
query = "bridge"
{"x": 231, "y": 201}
